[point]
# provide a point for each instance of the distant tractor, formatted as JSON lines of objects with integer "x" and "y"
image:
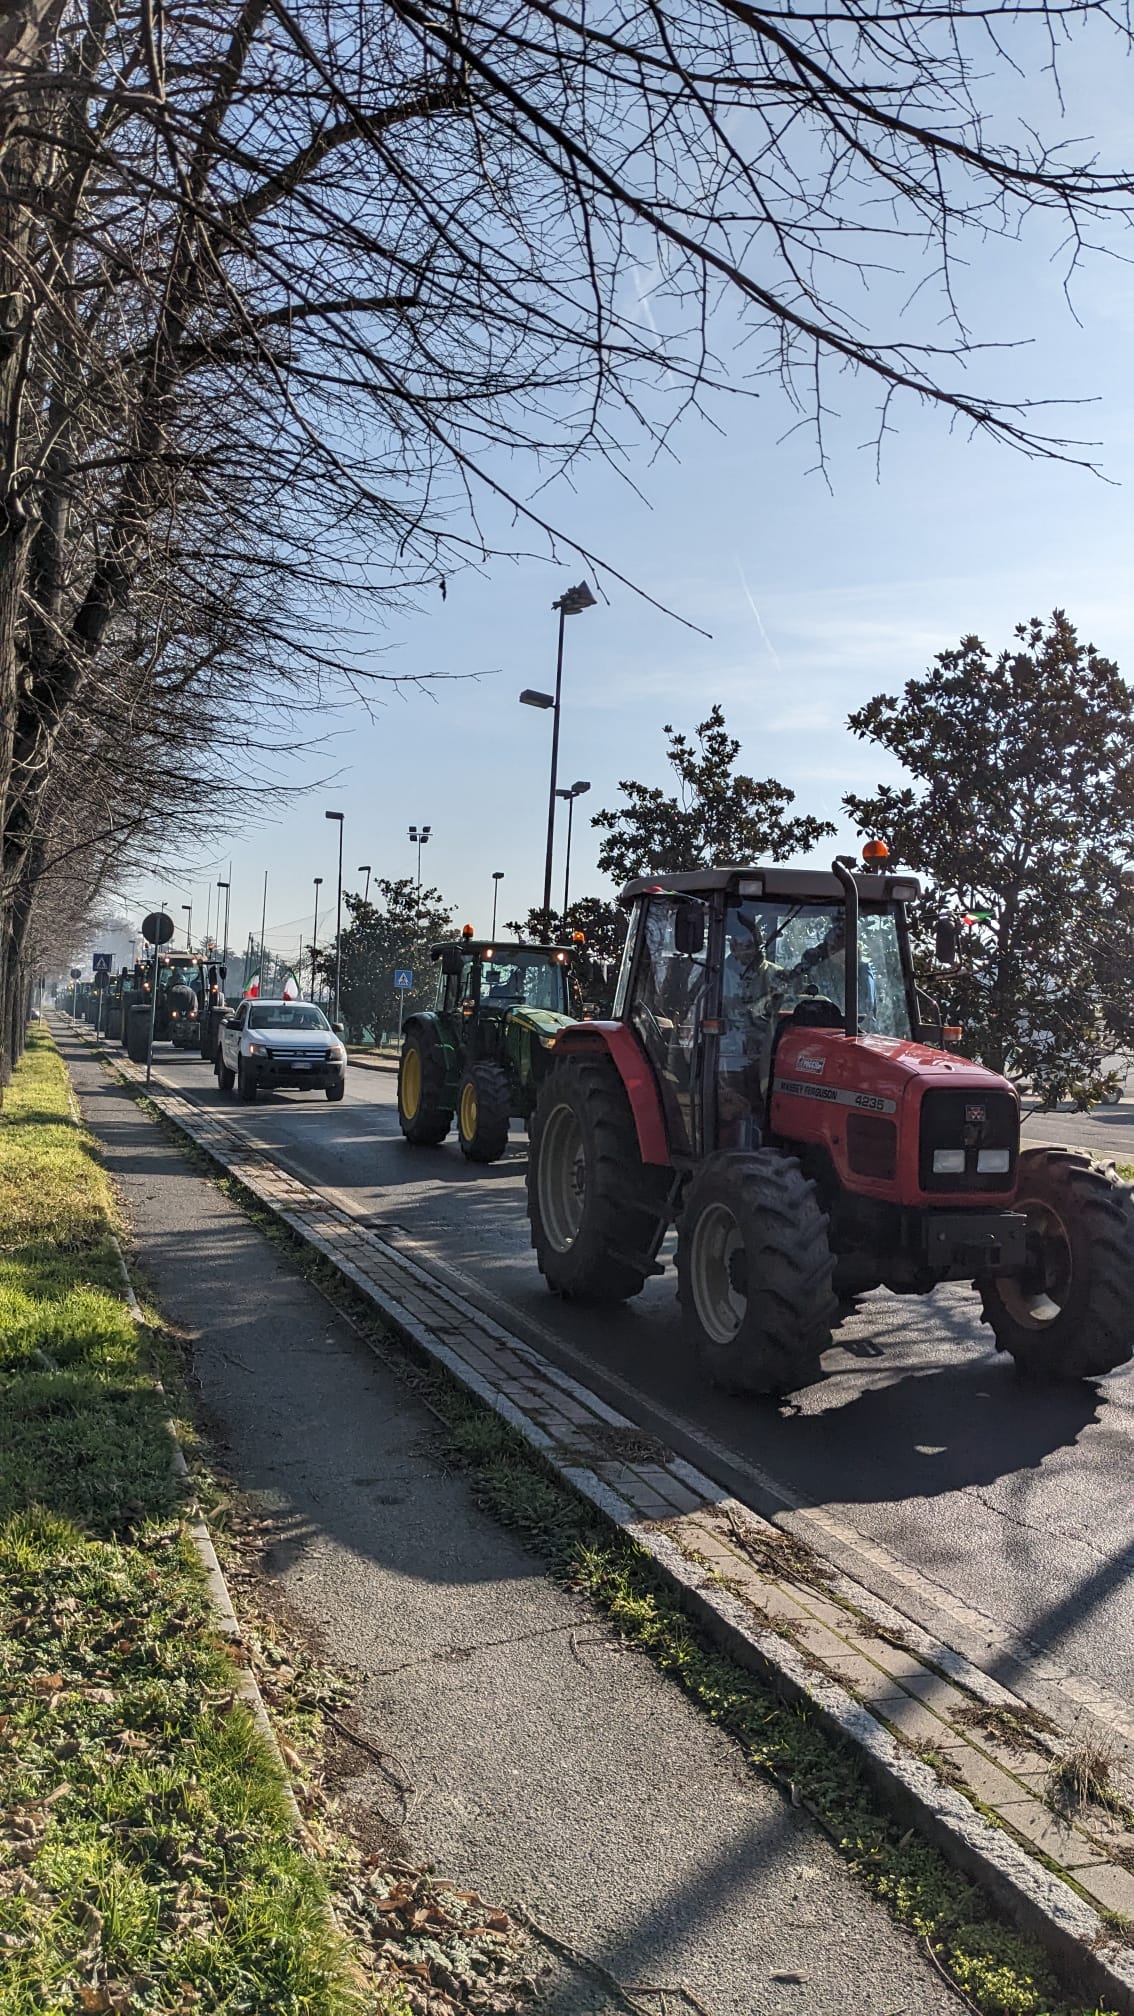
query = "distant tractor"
{"x": 811, "y": 1139}
{"x": 182, "y": 987}
{"x": 485, "y": 1048}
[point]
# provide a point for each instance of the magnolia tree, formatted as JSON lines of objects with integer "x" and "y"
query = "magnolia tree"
{"x": 394, "y": 930}
{"x": 716, "y": 814}
{"x": 1020, "y": 816}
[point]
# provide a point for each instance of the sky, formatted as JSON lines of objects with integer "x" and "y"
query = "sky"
{"x": 815, "y": 593}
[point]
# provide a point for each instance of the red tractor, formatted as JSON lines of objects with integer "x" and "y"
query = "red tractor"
{"x": 812, "y": 1139}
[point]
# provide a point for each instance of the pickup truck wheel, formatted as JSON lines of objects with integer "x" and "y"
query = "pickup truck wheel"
{"x": 336, "y": 1092}
{"x": 245, "y": 1083}
{"x": 226, "y": 1079}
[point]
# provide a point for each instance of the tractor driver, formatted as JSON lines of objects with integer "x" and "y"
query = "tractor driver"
{"x": 752, "y": 988}
{"x": 823, "y": 971}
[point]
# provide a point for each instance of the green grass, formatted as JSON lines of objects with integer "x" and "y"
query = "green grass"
{"x": 1001, "y": 1972}
{"x": 146, "y": 1857}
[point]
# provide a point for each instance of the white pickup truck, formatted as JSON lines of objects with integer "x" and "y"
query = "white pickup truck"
{"x": 277, "y": 1045}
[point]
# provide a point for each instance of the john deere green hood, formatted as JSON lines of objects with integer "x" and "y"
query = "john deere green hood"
{"x": 543, "y": 1022}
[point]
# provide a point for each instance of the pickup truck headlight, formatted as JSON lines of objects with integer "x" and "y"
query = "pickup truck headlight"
{"x": 336, "y": 1051}
{"x": 257, "y": 1050}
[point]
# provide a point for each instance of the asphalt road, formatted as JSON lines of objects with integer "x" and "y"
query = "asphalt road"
{"x": 999, "y": 1517}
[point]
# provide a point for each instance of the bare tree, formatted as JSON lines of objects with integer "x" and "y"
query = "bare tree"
{"x": 290, "y": 292}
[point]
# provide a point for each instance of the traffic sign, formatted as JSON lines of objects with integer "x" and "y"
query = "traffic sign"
{"x": 102, "y": 962}
{"x": 157, "y": 928}
{"x": 76, "y": 972}
{"x": 403, "y": 979}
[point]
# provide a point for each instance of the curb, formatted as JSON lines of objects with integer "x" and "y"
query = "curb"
{"x": 704, "y": 1544}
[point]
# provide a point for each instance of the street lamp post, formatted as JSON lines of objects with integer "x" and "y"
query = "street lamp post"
{"x": 419, "y": 838}
{"x": 572, "y": 603}
{"x": 575, "y": 791}
{"x": 497, "y": 879}
{"x": 188, "y": 926}
{"x": 315, "y": 933}
{"x": 339, "y": 817}
{"x": 227, "y": 887}
{"x": 365, "y": 870}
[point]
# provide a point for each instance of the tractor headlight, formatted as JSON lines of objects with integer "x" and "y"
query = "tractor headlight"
{"x": 949, "y": 1161}
{"x": 994, "y": 1161}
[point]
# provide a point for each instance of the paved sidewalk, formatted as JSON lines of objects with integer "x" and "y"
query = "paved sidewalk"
{"x": 541, "y": 1761}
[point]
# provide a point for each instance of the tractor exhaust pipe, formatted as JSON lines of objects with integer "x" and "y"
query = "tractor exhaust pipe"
{"x": 850, "y": 965}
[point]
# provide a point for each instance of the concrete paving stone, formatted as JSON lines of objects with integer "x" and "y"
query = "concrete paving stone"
{"x": 1052, "y": 1836}
{"x": 940, "y": 1695}
{"x": 892, "y": 1658}
{"x": 1110, "y": 1886}
{"x": 911, "y": 1717}
{"x": 864, "y": 1680}
{"x": 1018, "y": 1760}
{"x": 668, "y": 1487}
{"x": 991, "y": 1785}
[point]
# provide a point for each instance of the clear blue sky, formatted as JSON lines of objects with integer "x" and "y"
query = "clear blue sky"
{"x": 815, "y": 598}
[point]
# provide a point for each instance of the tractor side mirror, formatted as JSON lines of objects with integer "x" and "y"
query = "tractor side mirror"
{"x": 689, "y": 930}
{"x": 929, "y": 1021}
{"x": 945, "y": 942}
{"x": 452, "y": 958}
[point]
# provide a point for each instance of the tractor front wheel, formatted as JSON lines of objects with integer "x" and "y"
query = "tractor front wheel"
{"x": 483, "y": 1099}
{"x": 596, "y": 1212}
{"x": 1068, "y": 1314}
{"x": 754, "y": 1269}
{"x": 423, "y": 1115}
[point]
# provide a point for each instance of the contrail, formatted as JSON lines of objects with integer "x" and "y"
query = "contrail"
{"x": 768, "y": 644}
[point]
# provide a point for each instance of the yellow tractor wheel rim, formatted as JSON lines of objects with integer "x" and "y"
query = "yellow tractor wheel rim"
{"x": 411, "y": 1083}
{"x": 468, "y": 1111}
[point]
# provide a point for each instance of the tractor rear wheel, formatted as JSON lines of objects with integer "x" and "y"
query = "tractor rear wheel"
{"x": 596, "y": 1212}
{"x": 754, "y": 1269}
{"x": 422, "y": 1114}
{"x": 483, "y": 1099}
{"x": 1068, "y": 1315}
{"x": 138, "y": 1034}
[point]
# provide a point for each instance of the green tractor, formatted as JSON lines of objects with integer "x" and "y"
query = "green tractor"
{"x": 182, "y": 985}
{"x": 483, "y": 1051}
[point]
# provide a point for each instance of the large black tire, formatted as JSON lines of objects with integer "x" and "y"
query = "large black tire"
{"x": 596, "y": 1212}
{"x": 483, "y": 1099}
{"x": 1071, "y": 1315}
{"x": 246, "y": 1086}
{"x": 336, "y": 1092}
{"x": 754, "y": 1268}
{"x": 137, "y": 1035}
{"x": 226, "y": 1079}
{"x": 423, "y": 1116}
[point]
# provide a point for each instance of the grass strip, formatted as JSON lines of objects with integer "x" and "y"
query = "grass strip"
{"x": 146, "y": 1859}
{"x": 998, "y": 1969}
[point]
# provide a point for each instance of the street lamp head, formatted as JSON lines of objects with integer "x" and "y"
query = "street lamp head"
{"x": 498, "y": 874}
{"x": 528, "y": 698}
{"x": 575, "y": 600}
{"x": 223, "y": 885}
{"x": 340, "y": 816}
{"x": 318, "y": 881}
{"x": 577, "y": 790}
{"x": 426, "y": 831}
{"x": 364, "y": 870}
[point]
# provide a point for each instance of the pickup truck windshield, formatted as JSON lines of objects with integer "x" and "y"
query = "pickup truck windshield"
{"x": 286, "y": 1015}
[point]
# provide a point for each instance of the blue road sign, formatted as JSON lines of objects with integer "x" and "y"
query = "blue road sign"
{"x": 403, "y": 979}
{"x": 102, "y": 962}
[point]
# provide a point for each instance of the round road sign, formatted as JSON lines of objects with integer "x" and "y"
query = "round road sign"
{"x": 157, "y": 928}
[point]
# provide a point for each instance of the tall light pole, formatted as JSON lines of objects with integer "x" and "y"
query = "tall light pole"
{"x": 575, "y": 791}
{"x": 315, "y": 933}
{"x": 188, "y": 926}
{"x": 419, "y": 838}
{"x": 340, "y": 818}
{"x": 497, "y": 879}
{"x": 365, "y": 870}
{"x": 572, "y": 603}
{"x": 227, "y": 887}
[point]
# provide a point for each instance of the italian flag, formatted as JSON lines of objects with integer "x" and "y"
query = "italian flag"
{"x": 291, "y": 988}
{"x": 252, "y": 989}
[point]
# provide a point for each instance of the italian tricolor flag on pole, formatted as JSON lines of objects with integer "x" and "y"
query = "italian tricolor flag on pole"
{"x": 291, "y": 988}
{"x": 252, "y": 989}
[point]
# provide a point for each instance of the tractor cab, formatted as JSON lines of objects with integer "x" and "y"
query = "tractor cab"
{"x": 721, "y": 965}
{"x": 497, "y": 979}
